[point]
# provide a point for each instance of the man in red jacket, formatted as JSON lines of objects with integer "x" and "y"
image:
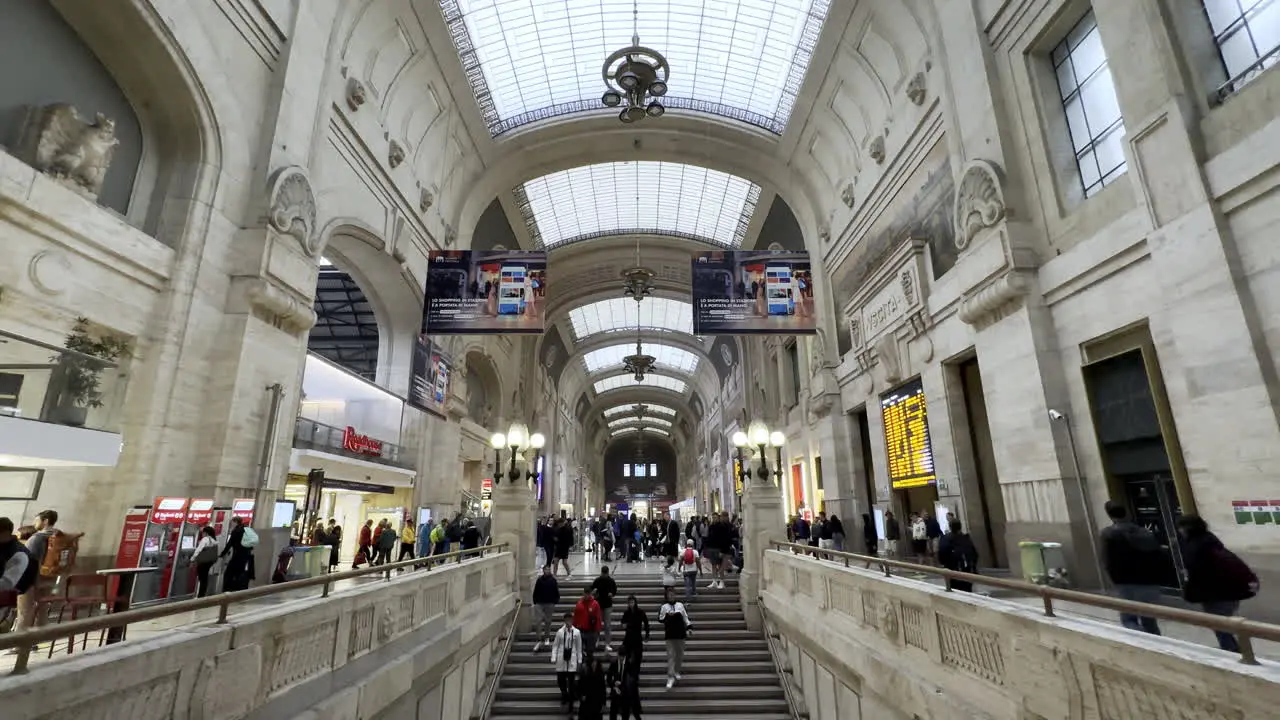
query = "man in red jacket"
{"x": 588, "y": 619}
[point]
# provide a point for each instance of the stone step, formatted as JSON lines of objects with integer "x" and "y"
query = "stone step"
{"x": 658, "y": 653}
{"x": 685, "y": 689}
{"x": 540, "y": 665}
{"x": 702, "y": 634}
{"x": 658, "y": 704}
{"x": 653, "y": 675}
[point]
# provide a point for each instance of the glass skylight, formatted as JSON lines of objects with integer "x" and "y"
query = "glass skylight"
{"x": 659, "y": 422}
{"x": 582, "y": 203}
{"x": 529, "y": 60}
{"x": 625, "y": 430}
{"x": 629, "y": 381}
{"x": 649, "y": 410}
{"x": 665, "y": 357}
{"x": 617, "y": 314}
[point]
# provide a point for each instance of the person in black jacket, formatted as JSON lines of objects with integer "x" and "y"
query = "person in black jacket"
{"x": 1132, "y": 558}
{"x": 837, "y": 534}
{"x": 605, "y": 588}
{"x": 635, "y": 628}
{"x": 956, "y": 551}
{"x": 1216, "y": 577}
{"x": 546, "y": 594}
{"x": 564, "y": 544}
{"x": 671, "y": 538}
{"x": 593, "y": 689}
{"x": 870, "y": 536}
{"x": 624, "y": 684}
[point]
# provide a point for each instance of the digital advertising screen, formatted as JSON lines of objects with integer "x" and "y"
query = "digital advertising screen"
{"x": 430, "y": 375}
{"x": 474, "y": 292}
{"x": 744, "y": 292}
{"x": 906, "y": 437}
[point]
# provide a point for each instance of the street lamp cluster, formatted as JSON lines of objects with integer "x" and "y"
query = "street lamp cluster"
{"x": 759, "y": 435}
{"x": 517, "y": 439}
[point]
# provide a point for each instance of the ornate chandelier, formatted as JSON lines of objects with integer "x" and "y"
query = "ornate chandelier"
{"x": 638, "y": 282}
{"x": 636, "y": 77}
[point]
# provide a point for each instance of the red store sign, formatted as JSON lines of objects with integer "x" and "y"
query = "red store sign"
{"x": 357, "y": 443}
{"x": 169, "y": 510}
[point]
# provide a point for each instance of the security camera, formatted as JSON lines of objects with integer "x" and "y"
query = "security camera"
{"x": 1055, "y": 415}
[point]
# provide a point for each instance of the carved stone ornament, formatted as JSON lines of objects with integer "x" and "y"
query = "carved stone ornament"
{"x": 395, "y": 156}
{"x": 889, "y": 621}
{"x": 846, "y": 195}
{"x": 292, "y": 315}
{"x": 356, "y": 94}
{"x": 916, "y": 90}
{"x": 292, "y": 208}
{"x": 979, "y": 201}
{"x": 993, "y": 298}
{"x": 61, "y": 144}
{"x": 51, "y": 272}
{"x": 450, "y": 236}
{"x": 426, "y": 199}
{"x": 824, "y": 233}
{"x": 890, "y": 358}
{"x": 818, "y": 356}
{"x": 855, "y": 332}
{"x": 908, "y": 287}
{"x": 877, "y": 149}
{"x": 386, "y": 625}
{"x": 398, "y": 255}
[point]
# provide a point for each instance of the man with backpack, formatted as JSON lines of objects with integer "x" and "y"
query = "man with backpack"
{"x": 240, "y": 545}
{"x": 689, "y": 567}
{"x": 1133, "y": 558}
{"x": 53, "y": 552}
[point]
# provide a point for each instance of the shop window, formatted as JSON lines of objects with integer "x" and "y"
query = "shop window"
{"x": 1247, "y": 33}
{"x": 1092, "y": 110}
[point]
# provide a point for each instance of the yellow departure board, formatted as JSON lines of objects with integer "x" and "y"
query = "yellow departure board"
{"x": 906, "y": 437}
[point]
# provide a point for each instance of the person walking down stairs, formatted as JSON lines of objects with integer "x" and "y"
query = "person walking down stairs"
{"x": 604, "y": 589}
{"x": 588, "y": 621}
{"x": 546, "y": 595}
{"x": 675, "y": 624}
{"x": 566, "y": 655}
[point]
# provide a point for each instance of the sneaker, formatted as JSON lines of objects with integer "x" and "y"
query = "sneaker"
{"x": 537, "y": 646}
{"x": 720, "y": 585}
{"x": 671, "y": 682}
{"x": 679, "y": 676}
{"x": 609, "y": 649}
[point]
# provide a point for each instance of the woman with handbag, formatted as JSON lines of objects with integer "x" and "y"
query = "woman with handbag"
{"x": 205, "y": 555}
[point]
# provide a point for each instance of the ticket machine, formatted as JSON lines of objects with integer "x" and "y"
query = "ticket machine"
{"x": 160, "y": 541}
{"x": 182, "y": 581}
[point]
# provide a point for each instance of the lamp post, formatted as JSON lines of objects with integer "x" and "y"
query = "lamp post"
{"x": 517, "y": 439}
{"x": 497, "y": 441}
{"x": 777, "y": 439}
{"x": 537, "y": 441}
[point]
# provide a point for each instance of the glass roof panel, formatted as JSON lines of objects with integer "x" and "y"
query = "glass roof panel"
{"x": 625, "y": 430}
{"x": 629, "y": 381}
{"x": 657, "y": 431}
{"x": 622, "y": 431}
{"x": 529, "y": 60}
{"x": 582, "y": 203}
{"x": 662, "y": 314}
{"x": 649, "y": 410}
{"x": 666, "y": 357}
{"x": 659, "y": 422}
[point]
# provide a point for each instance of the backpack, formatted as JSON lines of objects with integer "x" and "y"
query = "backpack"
{"x": 250, "y": 539}
{"x": 1235, "y": 574}
{"x": 60, "y": 554}
{"x": 689, "y": 557}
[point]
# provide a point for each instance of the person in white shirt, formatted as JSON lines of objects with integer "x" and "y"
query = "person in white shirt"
{"x": 205, "y": 556}
{"x": 566, "y": 655}
{"x": 675, "y": 624}
{"x": 689, "y": 567}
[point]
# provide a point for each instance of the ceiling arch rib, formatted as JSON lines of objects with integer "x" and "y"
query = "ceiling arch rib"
{"x": 590, "y": 201}
{"x": 623, "y": 381}
{"x": 621, "y": 314}
{"x": 630, "y": 409}
{"x": 645, "y": 422}
{"x": 740, "y": 59}
{"x": 667, "y": 357}
{"x": 627, "y": 430}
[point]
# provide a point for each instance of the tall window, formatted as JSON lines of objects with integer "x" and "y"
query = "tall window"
{"x": 1248, "y": 37}
{"x": 1089, "y": 98}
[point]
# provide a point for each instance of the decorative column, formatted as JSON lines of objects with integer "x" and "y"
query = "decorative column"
{"x": 762, "y": 521}
{"x": 513, "y": 519}
{"x": 840, "y": 451}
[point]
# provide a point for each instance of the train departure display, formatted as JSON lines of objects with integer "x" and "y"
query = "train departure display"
{"x": 906, "y": 436}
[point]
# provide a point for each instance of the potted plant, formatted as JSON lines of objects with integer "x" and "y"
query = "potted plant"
{"x": 79, "y": 379}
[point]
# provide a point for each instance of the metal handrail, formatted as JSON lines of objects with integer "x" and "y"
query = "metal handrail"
{"x": 482, "y": 711}
{"x": 799, "y": 709}
{"x": 26, "y": 640}
{"x": 1243, "y": 628}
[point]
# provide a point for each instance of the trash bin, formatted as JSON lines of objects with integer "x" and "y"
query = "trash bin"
{"x": 1043, "y": 563}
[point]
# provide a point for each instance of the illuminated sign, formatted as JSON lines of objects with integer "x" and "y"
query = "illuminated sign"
{"x": 200, "y": 512}
{"x": 169, "y": 510}
{"x": 906, "y": 437}
{"x": 362, "y": 444}
{"x": 737, "y": 476}
{"x": 243, "y": 508}
{"x": 486, "y": 489}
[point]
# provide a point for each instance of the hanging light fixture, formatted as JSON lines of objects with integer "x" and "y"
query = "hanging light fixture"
{"x": 636, "y": 77}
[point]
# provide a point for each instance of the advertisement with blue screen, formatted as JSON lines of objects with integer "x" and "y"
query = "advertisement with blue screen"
{"x": 430, "y": 374}
{"x": 474, "y": 292}
{"x": 748, "y": 292}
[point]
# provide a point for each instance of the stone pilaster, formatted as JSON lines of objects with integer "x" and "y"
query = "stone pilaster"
{"x": 513, "y": 523}
{"x": 762, "y": 521}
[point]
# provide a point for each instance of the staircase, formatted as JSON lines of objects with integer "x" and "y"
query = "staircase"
{"x": 727, "y": 674}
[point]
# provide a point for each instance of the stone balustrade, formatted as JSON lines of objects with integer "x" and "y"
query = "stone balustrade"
{"x": 416, "y": 646}
{"x": 866, "y": 647}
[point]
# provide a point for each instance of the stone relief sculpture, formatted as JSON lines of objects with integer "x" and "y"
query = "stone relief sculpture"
{"x": 396, "y": 154}
{"x": 979, "y": 201}
{"x": 62, "y": 145}
{"x": 855, "y": 332}
{"x": 916, "y": 89}
{"x": 818, "y": 356}
{"x": 291, "y": 314}
{"x": 877, "y": 149}
{"x": 846, "y": 195}
{"x": 451, "y": 237}
{"x": 292, "y": 208}
{"x": 890, "y": 358}
{"x": 908, "y": 287}
{"x": 426, "y": 199}
{"x": 356, "y": 94}
{"x": 824, "y": 233}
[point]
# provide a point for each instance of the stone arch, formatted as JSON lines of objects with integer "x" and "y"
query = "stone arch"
{"x": 485, "y": 399}
{"x": 397, "y": 304}
{"x": 182, "y": 147}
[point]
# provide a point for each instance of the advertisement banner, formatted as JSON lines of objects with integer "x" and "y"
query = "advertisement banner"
{"x": 429, "y": 376}
{"x": 472, "y": 292}
{"x": 744, "y": 292}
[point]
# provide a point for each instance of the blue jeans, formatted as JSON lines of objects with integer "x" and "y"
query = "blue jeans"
{"x": 1226, "y": 608}
{"x": 1140, "y": 593}
{"x": 690, "y": 585}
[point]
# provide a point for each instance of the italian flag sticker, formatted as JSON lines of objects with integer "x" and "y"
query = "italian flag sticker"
{"x": 1241, "y": 510}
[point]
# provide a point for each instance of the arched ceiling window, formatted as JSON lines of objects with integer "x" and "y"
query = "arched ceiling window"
{"x": 529, "y": 60}
{"x": 654, "y": 421}
{"x": 596, "y": 201}
{"x": 652, "y": 430}
{"x": 631, "y": 409}
{"x": 666, "y": 357}
{"x": 618, "y": 382}
{"x": 621, "y": 314}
